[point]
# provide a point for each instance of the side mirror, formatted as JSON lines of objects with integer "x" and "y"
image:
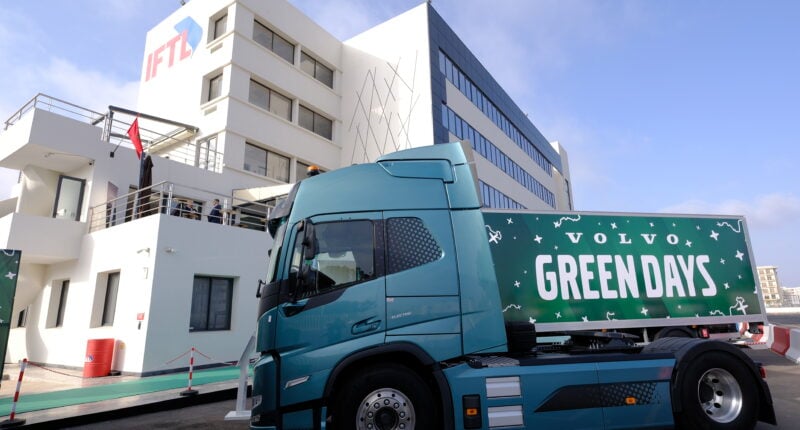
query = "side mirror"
{"x": 260, "y": 289}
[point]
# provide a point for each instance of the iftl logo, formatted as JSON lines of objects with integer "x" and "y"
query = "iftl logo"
{"x": 178, "y": 48}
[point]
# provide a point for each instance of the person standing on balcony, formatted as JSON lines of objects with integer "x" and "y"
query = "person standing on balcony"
{"x": 215, "y": 215}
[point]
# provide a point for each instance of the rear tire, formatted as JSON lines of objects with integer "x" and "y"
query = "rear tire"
{"x": 674, "y": 332}
{"x": 716, "y": 391}
{"x": 387, "y": 396}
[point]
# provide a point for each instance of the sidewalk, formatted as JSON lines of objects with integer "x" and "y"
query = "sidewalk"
{"x": 53, "y": 397}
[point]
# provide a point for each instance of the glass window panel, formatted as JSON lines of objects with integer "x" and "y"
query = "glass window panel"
{"x": 323, "y": 126}
{"x": 324, "y": 75}
{"x": 441, "y": 62}
{"x": 110, "y": 303}
{"x": 214, "y": 87}
{"x": 278, "y": 167}
{"x": 220, "y": 26}
{"x": 255, "y": 159}
{"x": 69, "y": 198}
{"x": 306, "y": 119}
{"x": 301, "y": 171}
{"x": 259, "y": 95}
{"x": 307, "y": 63}
{"x": 262, "y": 35}
{"x": 219, "y": 304}
{"x": 280, "y": 105}
{"x": 62, "y": 303}
{"x": 283, "y": 48}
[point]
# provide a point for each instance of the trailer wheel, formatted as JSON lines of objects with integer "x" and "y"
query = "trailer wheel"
{"x": 385, "y": 397}
{"x": 674, "y": 332}
{"x": 717, "y": 391}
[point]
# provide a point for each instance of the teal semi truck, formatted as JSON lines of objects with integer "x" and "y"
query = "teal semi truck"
{"x": 386, "y": 307}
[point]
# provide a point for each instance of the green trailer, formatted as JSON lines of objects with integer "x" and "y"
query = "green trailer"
{"x": 652, "y": 275}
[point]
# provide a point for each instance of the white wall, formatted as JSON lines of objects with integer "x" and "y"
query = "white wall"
{"x": 377, "y": 119}
{"x": 154, "y": 282}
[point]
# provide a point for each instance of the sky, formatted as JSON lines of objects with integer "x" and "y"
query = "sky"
{"x": 678, "y": 107}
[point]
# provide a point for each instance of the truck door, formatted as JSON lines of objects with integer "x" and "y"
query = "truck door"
{"x": 336, "y": 300}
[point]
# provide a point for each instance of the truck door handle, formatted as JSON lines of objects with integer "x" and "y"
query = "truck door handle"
{"x": 369, "y": 324}
{"x": 294, "y": 308}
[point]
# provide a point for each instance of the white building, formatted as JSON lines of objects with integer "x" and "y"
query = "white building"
{"x": 770, "y": 286}
{"x": 235, "y": 96}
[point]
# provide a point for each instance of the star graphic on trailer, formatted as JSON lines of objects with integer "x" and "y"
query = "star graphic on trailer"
{"x": 516, "y": 284}
{"x": 538, "y": 239}
{"x": 558, "y": 315}
{"x": 644, "y": 311}
{"x": 613, "y": 226}
{"x": 510, "y": 221}
{"x": 714, "y": 235}
{"x": 727, "y": 286}
{"x": 739, "y": 255}
{"x": 10, "y": 275}
{"x": 689, "y": 243}
{"x": 531, "y": 320}
{"x": 585, "y": 318}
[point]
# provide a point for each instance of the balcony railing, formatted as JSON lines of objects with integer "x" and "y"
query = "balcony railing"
{"x": 181, "y": 201}
{"x": 61, "y": 107}
{"x": 160, "y": 137}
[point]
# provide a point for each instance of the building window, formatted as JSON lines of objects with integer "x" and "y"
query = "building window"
{"x": 110, "y": 302}
{"x": 270, "y": 100}
{"x": 22, "y": 317}
{"x": 316, "y": 69}
{"x": 206, "y": 155}
{"x": 315, "y": 122}
{"x": 266, "y": 163}
{"x": 268, "y": 39}
{"x": 220, "y": 26}
{"x": 211, "y": 304}
{"x": 58, "y": 304}
{"x": 69, "y": 198}
{"x": 214, "y": 87}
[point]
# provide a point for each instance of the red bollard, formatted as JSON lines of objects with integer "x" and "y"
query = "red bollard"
{"x": 12, "y": 421}
{"x": 189, "y": 391}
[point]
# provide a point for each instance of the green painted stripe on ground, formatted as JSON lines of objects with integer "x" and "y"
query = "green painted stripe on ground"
{"x": 150, "y": 384}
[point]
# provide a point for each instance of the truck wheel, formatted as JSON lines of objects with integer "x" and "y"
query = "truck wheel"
{"x": 717, "y": 391}
{"x": 385, "y": 397}
{"x": 674, "y": 332}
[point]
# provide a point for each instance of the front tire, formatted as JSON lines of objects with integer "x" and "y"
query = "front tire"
{"x": 717, "y": 391}
{"x": 384, "y": 397}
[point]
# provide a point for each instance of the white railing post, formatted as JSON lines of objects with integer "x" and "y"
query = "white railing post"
{"x": 241, "y": 412}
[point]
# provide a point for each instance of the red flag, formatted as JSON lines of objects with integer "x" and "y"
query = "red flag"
{"x": 133, "y": 133}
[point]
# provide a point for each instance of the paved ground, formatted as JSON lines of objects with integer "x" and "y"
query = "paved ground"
{"x": 50, "y": 383}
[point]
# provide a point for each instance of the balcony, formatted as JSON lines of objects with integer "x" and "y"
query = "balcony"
{"x": 45, "y": 240}
{"x": 189, "y": 203}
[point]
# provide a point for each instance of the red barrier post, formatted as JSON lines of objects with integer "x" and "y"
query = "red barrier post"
{"x": 12, "y": 421}
{"x": 189, "y": 391}
{"x": 780, "y": 342}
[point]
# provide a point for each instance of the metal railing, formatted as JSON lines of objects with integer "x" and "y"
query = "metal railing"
{"x": 52, "y": 104}
{"x": 181, "y": 201}
{"x": 172, "y": 140}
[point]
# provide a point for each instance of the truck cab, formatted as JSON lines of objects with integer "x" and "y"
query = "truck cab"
{"x": 345, "y": 287}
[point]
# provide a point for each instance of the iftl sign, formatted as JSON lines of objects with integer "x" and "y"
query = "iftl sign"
{"x": 176, "y": 49}
{"x": 580, "y": 267}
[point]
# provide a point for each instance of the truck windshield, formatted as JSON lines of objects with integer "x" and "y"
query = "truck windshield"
{"x": 275, "y": 253}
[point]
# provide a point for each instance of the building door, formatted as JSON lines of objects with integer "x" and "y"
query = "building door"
{"x": 69, "y": 198}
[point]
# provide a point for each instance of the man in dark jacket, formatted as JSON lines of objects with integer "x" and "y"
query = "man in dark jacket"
{"x": 215, "y": 215}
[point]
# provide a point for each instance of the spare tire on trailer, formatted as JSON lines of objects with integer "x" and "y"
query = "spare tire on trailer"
{"x": 714, "y": 385}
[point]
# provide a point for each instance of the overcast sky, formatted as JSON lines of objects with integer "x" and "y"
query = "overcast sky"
{"x": 680, "y": 106}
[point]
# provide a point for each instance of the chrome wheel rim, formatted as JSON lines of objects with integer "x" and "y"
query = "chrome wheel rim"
{"x": 720, "y": 395}
{"x": 385, "y": 409}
